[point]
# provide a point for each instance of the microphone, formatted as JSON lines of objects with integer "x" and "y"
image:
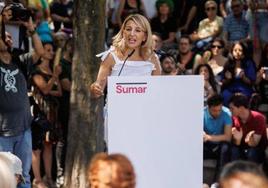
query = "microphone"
{"x": 130, "y": 54}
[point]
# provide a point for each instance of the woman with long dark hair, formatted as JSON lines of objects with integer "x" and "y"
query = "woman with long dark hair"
{"x": 239, "y": 73}
{"x": 214, "y": 57}
{"x": 46, "y": 90}
{"x": 210, "y": 84}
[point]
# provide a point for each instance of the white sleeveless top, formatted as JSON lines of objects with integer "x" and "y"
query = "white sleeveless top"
{"x": 131, "y": 68}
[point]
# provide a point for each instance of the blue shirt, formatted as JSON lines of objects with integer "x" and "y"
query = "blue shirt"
{"x": 237, "y": 84}
{"x": 216, "y": 126}
{"x": 237, "y": 29}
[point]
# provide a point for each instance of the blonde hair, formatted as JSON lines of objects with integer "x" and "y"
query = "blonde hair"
{"x": 113, "y": 171}
{"x": 7, "y": 178}
{"x": 146, "y": 49}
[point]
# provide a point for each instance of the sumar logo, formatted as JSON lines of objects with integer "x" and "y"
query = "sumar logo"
{"x": 136, "y": 88}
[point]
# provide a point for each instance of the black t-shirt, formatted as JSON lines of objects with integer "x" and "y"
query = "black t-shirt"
{"x": 163, "y": 28}
{"x": 15, "y": 116}
{"x": 64, "y": 10}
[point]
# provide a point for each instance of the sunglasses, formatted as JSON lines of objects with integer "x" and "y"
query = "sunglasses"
{"x": 210, "y": 8}
{"x": 216, "y": 46}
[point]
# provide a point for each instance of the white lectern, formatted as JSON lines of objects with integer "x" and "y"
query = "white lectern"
{"x": 157, "y": 122}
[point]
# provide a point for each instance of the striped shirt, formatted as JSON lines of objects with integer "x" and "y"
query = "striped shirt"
{"x": 237, "y": 29}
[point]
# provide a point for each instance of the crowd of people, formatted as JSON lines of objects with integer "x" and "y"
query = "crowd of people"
{"x": 35, "y": 60}
{"x": 223, "y": 40}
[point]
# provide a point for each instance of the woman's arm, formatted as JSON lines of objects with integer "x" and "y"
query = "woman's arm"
{"x": 157, "y": 65}
{"x": 171, "y": 37}
{"x": 57, "y": 92}
{"x": 44, "y": 86}
{"x": 37, "y": 44}
{"x": 227, "y": 78}
{"x": 96, "y": 88}
{"x": 222, "y": 9}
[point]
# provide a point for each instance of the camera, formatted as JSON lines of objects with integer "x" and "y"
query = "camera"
{"x": 19, "y": 13}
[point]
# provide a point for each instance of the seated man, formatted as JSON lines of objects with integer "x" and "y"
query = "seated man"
{"x": 187, "y": 60}
{"x": 236, "y": 27}
{"x": 217, "y": 130}
{"x": 209, "y": 27}
{"x": 168, "y": 64}
{"x": 249, "y": 131}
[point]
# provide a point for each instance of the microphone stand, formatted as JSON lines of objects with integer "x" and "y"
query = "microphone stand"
{"x": 130, "y": 54}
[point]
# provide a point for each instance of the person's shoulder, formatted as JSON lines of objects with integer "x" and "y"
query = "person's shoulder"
{"x": 196, "y": 55}
{"x": 257, "y": 115}
{"x": 205, "y": 20}
{"x": 107, "y": 54}
{"x": 155, "y": 20}
{"x": 205, "y": 109}
{"x": 219, "y": 18}
{"x": 226, "y": 111}
{"x": 37, "y": 71}
{"x": 109, "y": 60}
{"x": 65, "y": 63}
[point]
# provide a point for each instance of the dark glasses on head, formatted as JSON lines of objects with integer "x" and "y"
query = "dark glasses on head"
{"x": 216, "y": 46}
{"x": 210, "y": 8}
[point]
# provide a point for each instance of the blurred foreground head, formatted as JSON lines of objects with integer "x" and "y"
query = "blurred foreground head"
{"x": 111, "y": 171}
{"x": 242, "y": 174}
{"x": 7, "y": 176}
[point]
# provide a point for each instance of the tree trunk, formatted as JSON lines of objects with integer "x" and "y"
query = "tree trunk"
{"x": 86, "y": 123}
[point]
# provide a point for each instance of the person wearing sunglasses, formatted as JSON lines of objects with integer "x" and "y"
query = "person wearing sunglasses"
{"x": 209, "y": 27}
{"x": 215, "y": 57}
{"x": 239, "y": 73}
